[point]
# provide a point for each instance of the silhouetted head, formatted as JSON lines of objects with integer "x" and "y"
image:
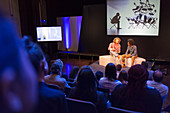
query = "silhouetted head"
{"x": 145, "y": 64}
{"x": 110, "y": 71}
{"x": 56, "y": 68}
{"x": 131, "y": 42}
{"x": 117, "y": 14}
{"x": 60, "y": 63}
{"x": 18, "y": 81}
{"x": 99, "y": 75}
{"x": 38, "y": 59}
{"x": 158, "y": 76}
{"x": 118, "y": 67}
{"x": 123, "y": 76}
{"x": 74, "y": 72}
{"x": 86, "y": 79}
{"x": 138, "y": 76}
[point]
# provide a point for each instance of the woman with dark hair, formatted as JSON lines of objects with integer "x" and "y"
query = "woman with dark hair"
{"x": 131, "y": 52}
{"x": 123, "y": 77}
{"x": 136, "y": 95}
{"x": 73, "y": 73}
{"x": 109, "y": 81}
{"x": 86, "y": 89}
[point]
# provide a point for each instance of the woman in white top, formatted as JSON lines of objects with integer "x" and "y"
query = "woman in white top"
{"x": 109, "y": 81}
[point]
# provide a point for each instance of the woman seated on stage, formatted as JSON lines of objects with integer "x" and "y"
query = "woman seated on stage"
{"x": 115, "y": 47}
{"x": 86, "y": 89}
{"x": 131, "y": 52}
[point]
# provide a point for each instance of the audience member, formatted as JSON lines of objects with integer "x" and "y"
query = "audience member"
{"x": 18, "y": 86}
{"x": 109, "y": 81}
{"x": 150, "y": 72}
{"x": 99, "y": 75}
{"x": 55, "y": 76}
{"x": 136, "y": 95}
{"x": 123, "y": 77}
{"x": 118, "y": 68}
{"x": 50, "y": 100}
{"x": 156, "y": 83}
{"x": 86, "y": 89}
{"x": 73, "y": 73}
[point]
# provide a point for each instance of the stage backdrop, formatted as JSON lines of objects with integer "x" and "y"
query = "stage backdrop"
{"x": 94, "y": 38}
{"x": 133, "y": 17}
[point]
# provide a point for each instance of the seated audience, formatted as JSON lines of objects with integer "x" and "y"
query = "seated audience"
{"x": 18, "y": 86}
{"x": 150, "y": 75}
{"x": 156, "y": 83}
{"x": 99, "y": 75}
{"x": 123, "y": 77}
{"x": 73, "y": 73}
{"x": 86, "y": 89}
{"x": 118, "y": 68}
{"x": 136, "y": 96}
{"x": 109, "y": 81}
{"x": 55, "y": 76}
{"x": 50, "y": 100}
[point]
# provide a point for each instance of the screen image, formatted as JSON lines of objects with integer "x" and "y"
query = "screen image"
{"x": 133, "y": 17}
{"x": 49, "y": 33}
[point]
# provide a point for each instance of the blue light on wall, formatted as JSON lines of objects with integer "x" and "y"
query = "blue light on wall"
{"x": 79, "y": 19}
{"x": 68, "y": 69}
{"x": 67, "y": 32}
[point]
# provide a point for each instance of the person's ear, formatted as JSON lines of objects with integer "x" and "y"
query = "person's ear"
{"x": 10, "y": 94}
{"x": 44, "y": 66}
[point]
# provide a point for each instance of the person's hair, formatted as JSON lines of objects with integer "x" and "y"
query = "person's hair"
{"x": 56, "y": 68}
{"x": 86, "y": 79}
{"x": 131, "y": 41}
{"x": 60, "y": 63}
{"x": 99, "y": 75}
{"x": 118, "y": 67}
{"x": 158, "y": 76}
{"x": 36, "y": 55}
{"x": 123, "y": 76}
{"x": 110, "y": 71}
{"x": 145, "y": 64}
{"x": 86, "y": 84}
{"x": 138, "y": 75}
{"x": 74, "y": 72}
{"x": 117, "y": 38}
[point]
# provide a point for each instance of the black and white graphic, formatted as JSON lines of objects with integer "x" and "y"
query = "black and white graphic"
{"x": 133, "y": 17}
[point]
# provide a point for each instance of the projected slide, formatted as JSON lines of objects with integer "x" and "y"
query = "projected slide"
{"x": 49, "y": 34}
{"x": 133, "y": 17}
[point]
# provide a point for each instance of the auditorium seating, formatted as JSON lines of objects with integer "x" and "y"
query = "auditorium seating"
{"x": 79, "y": 106}
{"x": 118, "y": 110}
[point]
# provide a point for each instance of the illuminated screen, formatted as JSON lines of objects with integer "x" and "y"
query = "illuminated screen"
{"x": 133, "y": 17}
{"x": 49, "y": 33}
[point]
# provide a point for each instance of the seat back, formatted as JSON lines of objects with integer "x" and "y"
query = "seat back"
{"x": 118, "y": 110}
{"x": 79, "y": 106}
{"x": 105, "y": 91}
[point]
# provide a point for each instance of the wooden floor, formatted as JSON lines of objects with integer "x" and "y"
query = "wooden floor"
{"x": 70, "y": 62}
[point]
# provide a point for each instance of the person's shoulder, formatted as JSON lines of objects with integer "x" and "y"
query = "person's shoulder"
{"x": 103, "y": 78}
{"x": 149, "y": 81}
{"x": 165, "y": 86}
{"x": 46, "y": 77}
{"x": 134, "y": 46}
{"x": 151, "y": 90}
{"x": 51, "y": 93}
